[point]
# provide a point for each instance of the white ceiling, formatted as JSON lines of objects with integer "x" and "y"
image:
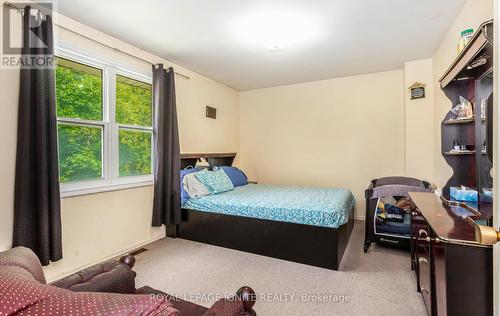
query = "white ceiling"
{"x": 227, "y": 40}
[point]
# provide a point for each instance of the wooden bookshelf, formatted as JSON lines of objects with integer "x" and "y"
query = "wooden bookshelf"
{"x": 470, "y": 76}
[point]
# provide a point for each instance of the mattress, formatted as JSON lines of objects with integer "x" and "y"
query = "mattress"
{"x": 399, "y": 228}
{"x": 293, "y": 204}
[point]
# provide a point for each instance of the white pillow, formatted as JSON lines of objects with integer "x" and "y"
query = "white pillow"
{"x": 194, "y": 188}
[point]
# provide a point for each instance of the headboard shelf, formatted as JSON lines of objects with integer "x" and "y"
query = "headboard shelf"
{"x": 213, "y": 159}
{"x": 207, "y": 155}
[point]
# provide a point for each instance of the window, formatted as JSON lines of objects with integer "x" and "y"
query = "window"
{"x": 105, "y": 132}
{"x": 80, "y": 124}
{"x": 133, "y": 114}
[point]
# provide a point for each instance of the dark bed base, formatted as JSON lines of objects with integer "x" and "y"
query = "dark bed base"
{"x": 312, "y": 245}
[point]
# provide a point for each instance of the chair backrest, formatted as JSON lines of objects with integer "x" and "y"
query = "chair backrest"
{"x": 24, "y": 259}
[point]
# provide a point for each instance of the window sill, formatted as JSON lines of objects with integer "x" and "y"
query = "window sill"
{"x": 87, "y": 188}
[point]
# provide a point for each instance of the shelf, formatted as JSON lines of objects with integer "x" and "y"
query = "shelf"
{"x": 479, "y": 46}
{"x": 460, "y": 153}
{"x": 207, "y": 155}
{"x": 461, "y": 121}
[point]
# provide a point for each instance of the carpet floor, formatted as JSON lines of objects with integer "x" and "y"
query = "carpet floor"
{"x": 377, "y": 283}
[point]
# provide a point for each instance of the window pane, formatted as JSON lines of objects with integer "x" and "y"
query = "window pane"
{"x": 135, "y": 152}
{"x": 80, "y": 153}
{"x": 78, "y": 90}
{"x": 133, "y": 102}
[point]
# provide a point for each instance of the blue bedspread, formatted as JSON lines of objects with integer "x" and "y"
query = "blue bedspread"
{"x": 301, "y": 205}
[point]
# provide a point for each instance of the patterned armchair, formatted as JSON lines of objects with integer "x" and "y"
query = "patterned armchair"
{"x": 104, "y": 289}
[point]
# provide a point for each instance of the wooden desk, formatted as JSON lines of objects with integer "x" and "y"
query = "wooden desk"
{"x": 454, "y": 272}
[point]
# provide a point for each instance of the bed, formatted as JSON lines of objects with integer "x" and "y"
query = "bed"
{"x": 292, "y": 204}
{"x": 300, "y": 224}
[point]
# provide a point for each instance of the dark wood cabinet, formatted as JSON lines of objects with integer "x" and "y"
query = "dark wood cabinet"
{"x": 454, "y": 272}
{"x": 470, "y": 77}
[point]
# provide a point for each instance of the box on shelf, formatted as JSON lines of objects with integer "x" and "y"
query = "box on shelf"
{"x": 463, "y": 194}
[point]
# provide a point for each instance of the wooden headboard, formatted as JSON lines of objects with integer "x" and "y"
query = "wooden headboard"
{"x": 213, "y": 159}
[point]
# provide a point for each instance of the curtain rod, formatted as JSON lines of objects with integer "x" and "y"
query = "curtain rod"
{"x": 117, "y": 50}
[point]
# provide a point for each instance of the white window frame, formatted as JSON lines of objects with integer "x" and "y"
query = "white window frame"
{"x": 111, "y": 179}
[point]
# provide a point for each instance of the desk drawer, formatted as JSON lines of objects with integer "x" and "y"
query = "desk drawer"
{"x": 421, "y": 243}
{"x": 424, "y": 270}
{"x": 420, "y": 231}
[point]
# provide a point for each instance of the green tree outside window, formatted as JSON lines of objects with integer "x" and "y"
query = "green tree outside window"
{"x": 79, "y": 92}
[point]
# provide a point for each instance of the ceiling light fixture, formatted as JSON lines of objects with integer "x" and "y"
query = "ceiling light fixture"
{"x": 276, "y": 30}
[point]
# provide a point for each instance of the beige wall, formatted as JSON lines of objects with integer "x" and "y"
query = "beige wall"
{"x": 10, "y": 79}
{"x": 419, "y": 124}
{"x": 472, "y": 15}
{"x": 96, "y": 227}
{"x": 9, "y": 92}
{"x": 333, "y": 133}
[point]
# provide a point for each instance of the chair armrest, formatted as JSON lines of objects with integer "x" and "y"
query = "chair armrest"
{"x": 112, "y": 276}
{"x": 240, "y": 305}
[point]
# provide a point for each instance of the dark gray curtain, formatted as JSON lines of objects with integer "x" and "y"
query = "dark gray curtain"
{"x": 37, "y": 214}
{"x": 166, "y": 202}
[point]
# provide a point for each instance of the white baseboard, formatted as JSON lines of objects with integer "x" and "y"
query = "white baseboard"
{"x": 54, "y": 277}
{"x": 5, "y": 247}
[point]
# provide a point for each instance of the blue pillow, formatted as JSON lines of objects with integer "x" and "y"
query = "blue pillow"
{"x": 238, "y": 177}
{"x": 216, "y": 181}
{"x": 184, "y": 194}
